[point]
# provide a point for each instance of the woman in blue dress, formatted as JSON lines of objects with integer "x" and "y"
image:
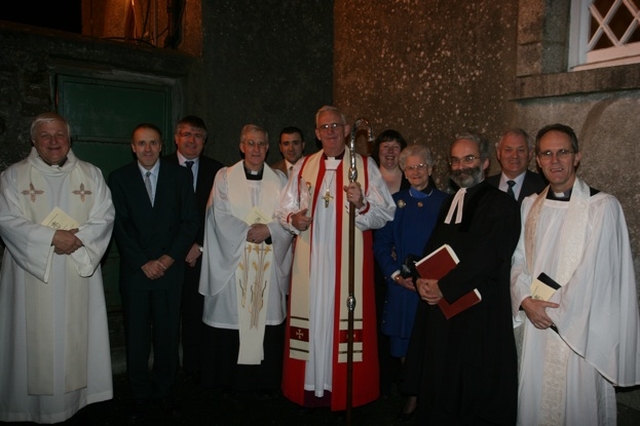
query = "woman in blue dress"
{"x": 416, "y": 213}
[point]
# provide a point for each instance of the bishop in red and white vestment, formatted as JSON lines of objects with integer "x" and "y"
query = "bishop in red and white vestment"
{"x": 315, "y": 367}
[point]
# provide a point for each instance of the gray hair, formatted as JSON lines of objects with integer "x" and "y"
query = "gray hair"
{"x": 483, "y": 145}
{"x": 416, "y": 150}
{"x": 252, "y": 128}
{"x": 330, "y": 108}
{"x": 516, "y": 131}
{"x": 48, "y": 117}
{"x": 192, "y": 121}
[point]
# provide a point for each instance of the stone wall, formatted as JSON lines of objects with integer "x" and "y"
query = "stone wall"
{"x": 267, "y": 63}
{"x": 428, "y": 69}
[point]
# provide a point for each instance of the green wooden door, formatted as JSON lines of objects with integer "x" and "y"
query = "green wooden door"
{"x": 102, "y": 114}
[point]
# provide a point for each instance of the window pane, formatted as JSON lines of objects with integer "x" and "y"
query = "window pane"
{"x": 613, "y": 27}
{"x": 621, "y": 21}
{"x": 603, "y": 6}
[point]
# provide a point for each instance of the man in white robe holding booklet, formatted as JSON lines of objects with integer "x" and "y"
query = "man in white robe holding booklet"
{"x": 245, "y": 274}
{"x": 56, "y": 218}
{"x": 573, "y": 287}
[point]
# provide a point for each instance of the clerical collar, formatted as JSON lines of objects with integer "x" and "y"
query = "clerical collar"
{"x": 423, "y": 193}
{"x": 457, "y": 205}
{"x": 60, "y": 164}
{"x": 253, "y": 174}
{"x": 472, "y": 190}
{"x": 337, "y": 157}
{"x": 332, "y": 163}
{"x": 560, "y": 196}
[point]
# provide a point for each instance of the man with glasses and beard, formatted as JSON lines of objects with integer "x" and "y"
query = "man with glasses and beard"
{"x": 464, "y": 369}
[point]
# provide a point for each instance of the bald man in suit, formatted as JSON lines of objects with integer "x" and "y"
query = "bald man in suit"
{"x": 514, "y": 152}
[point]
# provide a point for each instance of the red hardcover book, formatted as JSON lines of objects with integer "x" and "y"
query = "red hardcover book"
{"x": 438, "y": 264}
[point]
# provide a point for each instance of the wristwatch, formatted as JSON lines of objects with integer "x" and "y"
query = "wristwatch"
{"x": 201, "y": 249}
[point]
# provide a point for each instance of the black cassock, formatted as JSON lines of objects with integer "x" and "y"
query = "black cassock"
{"x": 464, "y": 369}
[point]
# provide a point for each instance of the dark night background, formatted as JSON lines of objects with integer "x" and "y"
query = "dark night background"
{"x": 66, "y": 16}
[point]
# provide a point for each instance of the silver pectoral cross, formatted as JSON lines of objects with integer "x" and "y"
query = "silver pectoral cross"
{"x": 327, "y": 197}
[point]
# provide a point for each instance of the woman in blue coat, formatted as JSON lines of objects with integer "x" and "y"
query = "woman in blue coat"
{"x": 416, "y": 213}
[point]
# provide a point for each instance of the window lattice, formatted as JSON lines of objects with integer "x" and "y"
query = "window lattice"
{"x": 614, "y": 23}
{"x": 604, "y": 33}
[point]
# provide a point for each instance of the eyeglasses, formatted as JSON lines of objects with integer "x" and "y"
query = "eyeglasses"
{"x": 420, "y": 166}
{"x": 560, "y": 154}
{"x": 254, "y": 144}
{"x": 332, "y": 126}
{"x": 464, "y": 160}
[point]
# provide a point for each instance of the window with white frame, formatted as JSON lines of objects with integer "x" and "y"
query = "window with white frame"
{"x": 604, "y": 33}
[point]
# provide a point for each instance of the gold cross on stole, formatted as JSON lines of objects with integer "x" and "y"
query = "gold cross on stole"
{"x": 327, "y": 197}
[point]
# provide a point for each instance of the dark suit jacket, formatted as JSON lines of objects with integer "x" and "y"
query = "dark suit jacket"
{"x": 533, "y": 183}
{"x": 207, "y": 171}
{"x": 144, "y": 232}
{"x": 192, "y": 300}
{"x": 450, "y": 360}
{"x": 282, "y": 166}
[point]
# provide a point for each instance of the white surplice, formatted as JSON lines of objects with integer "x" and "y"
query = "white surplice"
{"x": 225, "y": 243}
{"x": 77, "y": 187}
{"x": 568, "y": 378}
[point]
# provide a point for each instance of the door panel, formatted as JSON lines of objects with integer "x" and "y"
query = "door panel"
{"x": 102, "y": 114}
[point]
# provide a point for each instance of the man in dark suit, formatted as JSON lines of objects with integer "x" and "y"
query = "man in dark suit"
{"x": 190, "y": 136}
{"x": 155, "y": 225}
{"x": 291, "y": 147}
{"x": 514, "y": 152}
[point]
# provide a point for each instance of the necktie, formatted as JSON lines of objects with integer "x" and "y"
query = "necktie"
{"x": 147, "y": 184}
{"x": 189, "y": 165}
{"x": 510, "y": 189}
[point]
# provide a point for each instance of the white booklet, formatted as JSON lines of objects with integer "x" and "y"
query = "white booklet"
{"x": 543, "y": 287}
{"x": 58, "y": 219}
{"x": 257, "y": 216}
